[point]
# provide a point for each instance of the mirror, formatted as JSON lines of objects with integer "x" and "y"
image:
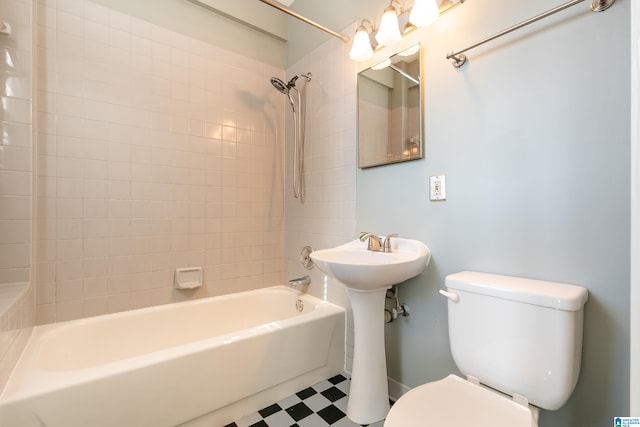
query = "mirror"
{"x": 390, "y": 111}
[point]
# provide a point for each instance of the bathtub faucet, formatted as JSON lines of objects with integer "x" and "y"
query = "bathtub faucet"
{"x": 300, "y": 281}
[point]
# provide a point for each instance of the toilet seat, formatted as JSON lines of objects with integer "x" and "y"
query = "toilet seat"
{"x": 455, "y": 402}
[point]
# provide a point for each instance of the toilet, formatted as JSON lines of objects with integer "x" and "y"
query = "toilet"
{"x": 517, "y": 341}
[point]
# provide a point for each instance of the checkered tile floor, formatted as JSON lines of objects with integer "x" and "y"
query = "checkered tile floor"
{"x": 323, "y": 404}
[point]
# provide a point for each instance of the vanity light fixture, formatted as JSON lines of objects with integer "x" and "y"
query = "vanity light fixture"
{"x": 389, "y": 31}
{"x": 361, "y": 49}
{"x": 424, "y": 12}
{"x": 396, "y": 22}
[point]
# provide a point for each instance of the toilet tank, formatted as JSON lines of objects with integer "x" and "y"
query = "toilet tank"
{"x": 517, "y": 335}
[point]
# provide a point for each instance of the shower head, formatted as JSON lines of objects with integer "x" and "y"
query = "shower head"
{"x": 284, "y": 89}
{"x": 280, "y": 85}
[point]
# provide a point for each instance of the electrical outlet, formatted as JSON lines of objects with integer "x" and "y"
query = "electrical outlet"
{"x": 437, "y": 189}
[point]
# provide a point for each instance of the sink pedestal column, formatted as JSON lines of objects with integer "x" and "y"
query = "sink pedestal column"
{"x": 369, "y": 393}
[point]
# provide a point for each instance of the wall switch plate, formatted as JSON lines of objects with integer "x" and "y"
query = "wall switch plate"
{"x": 437, "y": 189}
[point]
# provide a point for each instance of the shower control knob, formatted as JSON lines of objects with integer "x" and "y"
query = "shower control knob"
{"x": 305, "y": 257}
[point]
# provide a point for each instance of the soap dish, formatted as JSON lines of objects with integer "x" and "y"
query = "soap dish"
{"x": 188, "y": 278}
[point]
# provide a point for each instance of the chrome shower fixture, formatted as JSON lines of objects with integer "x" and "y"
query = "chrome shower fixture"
{"x": 292, "y": 82}
{"x": 298, "y": 128}
{"x": 280, "y": 85}
{"x": 286, "y": 87}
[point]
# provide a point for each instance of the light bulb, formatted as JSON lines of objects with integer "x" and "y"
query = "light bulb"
{"x": 424, "y": 12}
{"x": 389, "y": 32}
{"x": 361, "y": 48}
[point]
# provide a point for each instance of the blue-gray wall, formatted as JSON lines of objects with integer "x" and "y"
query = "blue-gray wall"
{"x": 533, "y": 137}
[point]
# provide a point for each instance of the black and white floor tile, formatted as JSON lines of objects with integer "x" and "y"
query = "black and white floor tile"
{"x": 323, "y": 404}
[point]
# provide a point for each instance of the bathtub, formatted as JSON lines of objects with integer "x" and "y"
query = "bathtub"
{"x": 200, "y": 362}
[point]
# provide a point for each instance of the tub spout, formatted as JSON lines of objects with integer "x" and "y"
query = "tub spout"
{"x": 300, "y": 281}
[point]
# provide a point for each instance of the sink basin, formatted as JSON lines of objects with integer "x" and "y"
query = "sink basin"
{"x": 366, "y": 275}
{"x": 358, "y": 268}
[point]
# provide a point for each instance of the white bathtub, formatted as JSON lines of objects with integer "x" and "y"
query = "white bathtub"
{"x": 201, "y": 362}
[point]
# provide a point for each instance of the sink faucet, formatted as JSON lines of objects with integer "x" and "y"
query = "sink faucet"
{"x": 373, "y": 241}
{"x": 386, "y": 246}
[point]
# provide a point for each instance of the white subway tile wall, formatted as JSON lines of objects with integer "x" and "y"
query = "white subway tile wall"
{"x": 15, "y": 144}
{"x": 155, "y": 151}
{"x": 16, "y": 194}
{"x": 327, "y": 217}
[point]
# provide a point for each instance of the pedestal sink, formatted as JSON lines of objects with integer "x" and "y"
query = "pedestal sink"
{"x": 367, "y": 275}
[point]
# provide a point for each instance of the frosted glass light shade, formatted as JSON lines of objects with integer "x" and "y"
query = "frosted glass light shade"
{"x": 389, "y": 32}
{"x": 424, "y": 12}
{"x": 361, "y": 49}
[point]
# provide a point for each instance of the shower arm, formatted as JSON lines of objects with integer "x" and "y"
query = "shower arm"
{"x": 290, "y": 12}
{"x": 294, "y": 79}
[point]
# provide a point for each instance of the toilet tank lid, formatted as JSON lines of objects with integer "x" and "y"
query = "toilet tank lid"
{"x": 560, "y": 296}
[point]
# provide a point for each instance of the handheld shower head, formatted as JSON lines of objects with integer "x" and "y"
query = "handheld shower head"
{"x": 280, "y": 85}
{"x": 284, "y": 89}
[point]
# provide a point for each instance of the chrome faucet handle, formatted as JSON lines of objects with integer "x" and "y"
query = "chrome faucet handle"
{"x": 386, "y": 247}
{"x": 373, "y": 241}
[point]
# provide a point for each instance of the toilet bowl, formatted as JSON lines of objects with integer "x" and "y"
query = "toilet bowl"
{"x": 518, "y": 342}
{"x": 456, "y": 402}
